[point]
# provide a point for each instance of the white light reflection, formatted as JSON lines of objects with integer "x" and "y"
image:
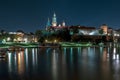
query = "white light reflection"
{"x": 116, "y": 67}
{"x": 36, "y": 56}
{"x": 108, "y": 55}
{"x": 79, "y": 52}
{"x": 15, "y": 60}
{"x": 101, "y": 50}
{"x": 91, "y": 53}
{"x": 54, "y": 64}
{"x": 71, "y": 55}
{"x": 65, "y": 50}
{"x": 114, "y": 50}
{"x": 26, "y": 56}
{"x": 113, "y": 56}
{"x": 64, "y": 65}
{"x": 33, "y": 57}
{"x": 117, "y": 56}
{"x": 10, "y": 62}
{"x": 114, "y": 53}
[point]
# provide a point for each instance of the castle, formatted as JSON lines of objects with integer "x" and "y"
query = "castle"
{"x": 54, "y": 23}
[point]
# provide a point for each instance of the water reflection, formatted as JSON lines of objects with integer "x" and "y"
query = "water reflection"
{"x": 64, "y": 65}
{"x": 34, "y": 59}
{"x": 104, "y": 58}
{"x": 18, "y": 61}
{"x": 21, "y": 63}
{"x": 10, "y": 62}
{"x": 26, "y": 57}
{"x": 54, "y": 65}
{"x": 77, "y": 63}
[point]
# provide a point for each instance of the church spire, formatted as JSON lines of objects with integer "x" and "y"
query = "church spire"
{"x": 54, "y": 20}
{"x": 54, "y": 15}
{"x": 48, "y": 23}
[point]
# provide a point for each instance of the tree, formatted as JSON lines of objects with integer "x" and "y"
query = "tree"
{"x": 31, "y": 33}
{"x": 75, "y": 29}
{"x": 65, "y": 34}
{"x": 101, "y": 31}
{"x": 38, "y": 33}
{"x": 3, "y": 31}
{"x": 20, "y": 31}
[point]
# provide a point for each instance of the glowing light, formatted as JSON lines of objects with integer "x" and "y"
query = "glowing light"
{"x": 15, "y": 40}
{"x": 19, "y": 39}
{"x": 3, "y": 41}
{"x": 8, "y": 39}
{"x": 108, "y": 55}
{"x": 113, "y": 56}
{"x": 46, "y": 40}
{"x": 9, "y": 62}
{"x": 55, "y": 40}
{"x": 25, "y": 39}
{"x": 117, "y": 57}
{"x": 114, "y": 50}
{"x": 26, "y": 55}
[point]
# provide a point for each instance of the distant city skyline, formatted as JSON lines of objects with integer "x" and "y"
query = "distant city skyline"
{"x": 30, "y": 15}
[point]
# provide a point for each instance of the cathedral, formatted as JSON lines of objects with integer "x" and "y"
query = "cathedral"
{"x": 54, "y": 23}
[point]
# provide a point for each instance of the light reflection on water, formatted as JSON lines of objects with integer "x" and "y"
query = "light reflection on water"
{"x": 76, "y": 63}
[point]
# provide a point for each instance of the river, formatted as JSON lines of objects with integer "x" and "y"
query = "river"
{"x": 67, "y": 63}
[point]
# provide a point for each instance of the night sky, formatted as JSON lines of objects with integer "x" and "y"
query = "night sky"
{"x": 30, "y": 15}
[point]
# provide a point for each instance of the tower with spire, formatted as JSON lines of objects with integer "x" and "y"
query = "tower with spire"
{"x": 54, "y": 25}
{"x": 48, "y": 24}
{"x": 54, "y": 20}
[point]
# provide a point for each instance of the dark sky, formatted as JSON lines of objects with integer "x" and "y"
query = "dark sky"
{"x": 30, "y": 15}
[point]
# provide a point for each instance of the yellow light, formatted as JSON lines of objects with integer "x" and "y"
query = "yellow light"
{"x": 8, "y": 39}
{"x": 55, "y": 40}
{"x": 46, "y": 40}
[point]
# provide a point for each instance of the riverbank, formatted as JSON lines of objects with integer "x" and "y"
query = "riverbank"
{"x": 80, "y": 44}
{"x": 60, "y": 44}
{"x": 19, "y": 44}
{"x": 75, "y": 44}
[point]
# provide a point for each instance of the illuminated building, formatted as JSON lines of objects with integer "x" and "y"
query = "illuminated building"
{"x": 54, "y": 20}
{"x": 54, "y": 25}
{"x": 22, "y": 37}
{"x": 83, "y": 30}
{"x": 104, "y": 27}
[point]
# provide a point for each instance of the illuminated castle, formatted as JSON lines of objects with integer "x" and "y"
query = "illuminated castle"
{"x": 54, "y": 23}
{"x": 54, "y": 20}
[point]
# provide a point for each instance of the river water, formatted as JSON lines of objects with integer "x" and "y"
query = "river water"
{"x": 67, "y": 63}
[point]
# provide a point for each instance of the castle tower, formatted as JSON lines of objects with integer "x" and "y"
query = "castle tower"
{"x": 48, "y": 23}
{"x": 54, "y": 20}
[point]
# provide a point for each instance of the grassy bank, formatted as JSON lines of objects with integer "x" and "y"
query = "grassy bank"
{"x": 19, "y": 44}
{"x": 75, "y": 44}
